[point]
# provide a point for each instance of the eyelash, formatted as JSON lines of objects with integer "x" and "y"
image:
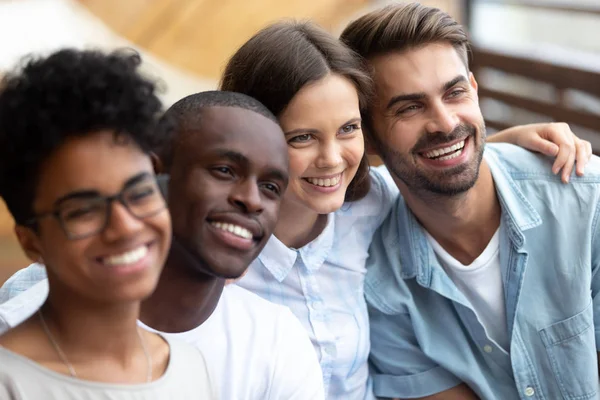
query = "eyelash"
{"x": 295, "y": 139}
{"x": 275, "y": 188}
{"x": 223, "y": 170}
{"x": 455, "y": 93}
{"x": 354, "y": 127}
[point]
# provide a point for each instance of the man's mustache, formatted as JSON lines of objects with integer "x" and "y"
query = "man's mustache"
{"x": 429, "y": 140}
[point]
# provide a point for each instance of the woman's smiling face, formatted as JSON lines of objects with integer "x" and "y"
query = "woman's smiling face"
{"x": 322, "y": 126}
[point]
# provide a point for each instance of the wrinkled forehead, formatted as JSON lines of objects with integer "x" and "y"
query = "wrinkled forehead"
{"x": 421, "y": 69}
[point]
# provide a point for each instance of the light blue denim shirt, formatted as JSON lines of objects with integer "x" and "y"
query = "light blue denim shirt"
{"x": 425, "y": 335}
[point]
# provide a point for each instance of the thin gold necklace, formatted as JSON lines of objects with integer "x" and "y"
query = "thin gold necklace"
{"x": 65, "y": 361}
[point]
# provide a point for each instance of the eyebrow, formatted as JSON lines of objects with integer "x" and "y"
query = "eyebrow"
{"x": 421, "y": 95}
{"x": 278, "y": 174}
{"x": 233, "y": 156}
{"x": 241, "y": 159}
{"x": 87, "y": 194}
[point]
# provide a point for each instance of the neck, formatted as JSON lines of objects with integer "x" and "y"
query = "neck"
{"x": 463, "y": 224}
{"x": 298, "y": 225}
{"x": 184, "y": 297}
{"x": 89, "y": 329}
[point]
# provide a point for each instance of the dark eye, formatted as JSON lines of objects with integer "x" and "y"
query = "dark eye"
{"x": 272, "y": 188}
{"x": 350, "y": 128}
{"x": 223, "y": 170}
{"x": 300, "y": 138}
{"x": 140, "y": 194}
{"x": 82, "y": 212}
{"x": 408, "y": 110}
{"x": 455, "y": 93}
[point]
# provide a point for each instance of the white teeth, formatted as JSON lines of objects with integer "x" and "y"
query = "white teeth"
{"x": 325, "y": 182}
{"x": 130, "y": 257}
{"x": 446, "y": 150}
{"x": 235, "y": 229}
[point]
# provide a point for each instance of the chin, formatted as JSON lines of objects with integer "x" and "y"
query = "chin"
{"x": 229, "y": 267}
{"x": 327, "y": 207}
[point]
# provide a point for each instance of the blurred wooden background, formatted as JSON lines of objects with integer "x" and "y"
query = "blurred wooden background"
{"x": 199, "y": 36}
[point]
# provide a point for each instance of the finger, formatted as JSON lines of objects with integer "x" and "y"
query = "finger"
{"x": 584, "y": 153}
{"x": 568, "y": 167}
{"x": 543, "y": 146}
{"x": 561, "y": 159}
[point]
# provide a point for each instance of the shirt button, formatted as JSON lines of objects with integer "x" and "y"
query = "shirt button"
{"x": 487, "y": 348}
{"x": 529, "y": 391}
{"x": 317, "y": 305}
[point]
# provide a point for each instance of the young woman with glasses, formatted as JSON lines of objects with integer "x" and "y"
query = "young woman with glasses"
{"x": 76, "y": 130}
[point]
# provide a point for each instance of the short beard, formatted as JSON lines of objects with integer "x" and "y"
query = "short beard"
{"x": 442, "y": 184}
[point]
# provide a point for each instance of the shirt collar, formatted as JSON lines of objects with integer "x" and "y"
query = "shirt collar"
{"x": 517, "y": 212}
{"x": 279, "y": 259}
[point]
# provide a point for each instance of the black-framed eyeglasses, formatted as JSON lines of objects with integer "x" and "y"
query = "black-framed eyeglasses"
{"x": 85, "y": 215}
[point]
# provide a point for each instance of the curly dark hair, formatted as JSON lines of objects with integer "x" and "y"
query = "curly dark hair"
{"x": 68, "y": 94}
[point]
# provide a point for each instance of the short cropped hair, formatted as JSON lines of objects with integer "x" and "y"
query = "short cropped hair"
{"x": 186, "y": 115}
{"x": 286, "y": 56}
{"x": 399, "y": 27}
{"x": 71, "y": 93}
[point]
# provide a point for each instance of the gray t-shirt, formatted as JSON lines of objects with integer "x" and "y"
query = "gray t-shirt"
{"x": 186, "y": 377}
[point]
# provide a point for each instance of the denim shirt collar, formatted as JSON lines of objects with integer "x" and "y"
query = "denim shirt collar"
{"x": 518, "y": 215}
{"x": 279, "y": 259}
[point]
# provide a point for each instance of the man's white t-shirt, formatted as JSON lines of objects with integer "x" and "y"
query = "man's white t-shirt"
{"x": 481, "y": 283}
{"x": 254, "y": 349}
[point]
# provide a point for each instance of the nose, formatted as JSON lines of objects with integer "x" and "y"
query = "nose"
{"x": 443, "y": 119}
{"x": 330, "y": 155}
{"x": 246, "y": 196}
{"x": 121, "y": 223}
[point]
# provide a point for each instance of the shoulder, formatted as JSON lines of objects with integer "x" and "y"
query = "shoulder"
{"x": 258, "y": 314}
{"x": 379, "y": 199}
{"x": 523, "y": 164}
{"x": 236, "y": 297}
{"x": 395, "y": 257}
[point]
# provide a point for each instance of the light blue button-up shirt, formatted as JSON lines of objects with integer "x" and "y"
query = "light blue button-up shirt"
{"x": 425, "y": 335}
{"x": 322, "y": 284}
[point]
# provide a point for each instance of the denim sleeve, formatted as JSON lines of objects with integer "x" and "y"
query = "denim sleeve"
{"x": 398, "y": 365}
{"x": 21, "y": 281}
{"x": 596, "y": 273}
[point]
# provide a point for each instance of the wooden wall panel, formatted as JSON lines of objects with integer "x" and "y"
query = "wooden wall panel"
{"x": 200, "y": 35}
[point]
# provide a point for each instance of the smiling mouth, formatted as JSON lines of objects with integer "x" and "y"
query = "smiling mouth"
{"x": 446, "y": 153}
{"x": 324, "y": 182}
{"x": 127, "y": 258}
{"x": 236, "y": 230}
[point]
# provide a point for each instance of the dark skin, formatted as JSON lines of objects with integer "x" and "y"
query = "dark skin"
{"x": 220, "y": 175}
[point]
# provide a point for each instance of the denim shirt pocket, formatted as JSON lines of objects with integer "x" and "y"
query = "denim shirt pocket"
{"x": 571, "y": 348}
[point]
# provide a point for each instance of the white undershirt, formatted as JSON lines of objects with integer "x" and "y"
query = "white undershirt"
{"x": 481, "y": 283}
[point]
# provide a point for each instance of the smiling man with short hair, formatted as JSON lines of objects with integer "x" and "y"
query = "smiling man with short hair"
{"x": 483, "y": 282}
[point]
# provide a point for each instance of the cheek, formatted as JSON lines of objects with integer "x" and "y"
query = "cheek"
{"x": 161, "y": 223}
{"x": 403, "y": 136}
{"x": 62, "y": 254}
{"x": 300, "y": 161}
{"x": 353, "y": 151}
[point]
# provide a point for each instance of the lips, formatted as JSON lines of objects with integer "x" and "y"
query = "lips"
{"x": 331, "y": 180}
{"x": 234, "y": 229}
{"x": 237, "y": 224}
{"x": 447, "y": 152}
